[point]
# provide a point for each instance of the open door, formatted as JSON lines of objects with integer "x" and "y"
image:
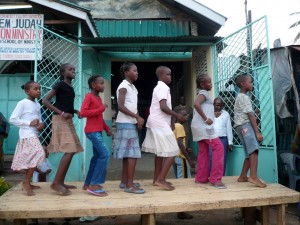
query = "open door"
{"x": 247, "y": 51}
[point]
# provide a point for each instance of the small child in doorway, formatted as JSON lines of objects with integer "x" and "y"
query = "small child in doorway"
{"x": 204, "y": 133}
{"x": 183, "y": 163}
{"x": 93, "y": 108}
{"x": 41, "y": 173}
{"x": 247, "y": 130}
{"x": 29, "y": 151}
{"x": 64, "y": 138}
{"x": 160, "y": 138}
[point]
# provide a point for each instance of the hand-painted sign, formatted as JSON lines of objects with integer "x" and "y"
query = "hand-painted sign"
{"x": 18, "y": 36}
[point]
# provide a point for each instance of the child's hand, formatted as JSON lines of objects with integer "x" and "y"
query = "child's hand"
{"x": 191, "y": 163}
{"x": 140, "y": 122}
{"x": 209, "y": 121}
{"x": 259, "y": 137}
{"x": 181, "y": 118}
{"x": 34, "y": 123}
{"x": 67, "y": 115}
{"x": 230, "y": 148}
{"x": 40, "y": 126}
{"x": 78, "y": 113}
{"x": 108, "y": 133}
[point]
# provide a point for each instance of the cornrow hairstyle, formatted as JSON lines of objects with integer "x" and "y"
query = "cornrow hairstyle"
{"x": 27, "y": 85}
{"x": 62, "y": 70}
{"x": 200, "y": 79}
{"x": 92, "y": 79}
{"x": 125, "y": 67}
{"x": 241, "y": 78}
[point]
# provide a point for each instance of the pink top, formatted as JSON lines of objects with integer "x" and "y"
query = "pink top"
{"x": 157, "y": 118}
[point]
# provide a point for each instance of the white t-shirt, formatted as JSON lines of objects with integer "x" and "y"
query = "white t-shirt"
{"x": 200, "y": 129}
{"x": 242, "y": 106}
{"x": 157, "y": 118}
{"x": 25, "y": 112}
{"x": 223, "y": 126}
{"x": 130, "y": 103}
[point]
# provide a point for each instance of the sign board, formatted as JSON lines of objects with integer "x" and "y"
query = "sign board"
{"x": 18, "y": 36}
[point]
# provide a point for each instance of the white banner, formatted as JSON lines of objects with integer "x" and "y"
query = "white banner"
{"x": 18, "y": 35}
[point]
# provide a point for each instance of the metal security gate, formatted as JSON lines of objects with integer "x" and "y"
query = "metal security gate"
{"x": 51, "y": 52}
{"x": 247, "y": 51}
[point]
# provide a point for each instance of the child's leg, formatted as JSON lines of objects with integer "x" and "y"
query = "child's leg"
{"x": 161, "y": 179}
{"x": 243, "y": 177}
{"x": 202, "y": 162}
{"x": 90, "y": 173}
{"x": 217, "y": 167}
{"x": 130, "y": 171}
{"x": 101, "y": 159}
{"x": 124, "y": 170}
{"x": 58, "y": 183}
{"x": 26, "y": 183}
{"x": 158, "y": 167}
{"x": 253, "y": 159}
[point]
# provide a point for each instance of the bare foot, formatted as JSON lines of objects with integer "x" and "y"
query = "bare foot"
{"x": 164, "y": 185}
{"x": 69, "y": 186}
{"x": 34, "y": 186}
{"x": 242, "y": 179}
{"x": 60, "y": 189}
{"x": 154, "y": 183}
{"x": 257, "y": 182}
{"x": 27, "y": 189}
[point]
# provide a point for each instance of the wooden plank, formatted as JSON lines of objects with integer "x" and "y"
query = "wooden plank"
{"x": 148, "y": 219}
{"x": 20, "y": 222}
{"x": 187, "y": 196}
{"x": 265, "y": 216}
{"x": 281, "y": 214}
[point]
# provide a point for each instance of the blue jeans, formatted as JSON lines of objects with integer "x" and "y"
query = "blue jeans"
{"x": 98, "y": 165}
{"x": 181, "y": 168}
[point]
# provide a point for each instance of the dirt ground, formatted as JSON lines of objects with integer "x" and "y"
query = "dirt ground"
{"x": 144, "y": 170}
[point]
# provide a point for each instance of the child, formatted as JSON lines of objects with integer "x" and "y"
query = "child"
{"x": 64, "y": 138}
{"x": 160, "y": 138}
{"x": 182, "y": 164}
{"x": 126, "y": 140}
{"x": 93, "y": 108}
{"x": 247, "y": 130}
{"x": 204, "y": 133}
{"x": 29, "y": 151}
{"x": 41, "y": 173}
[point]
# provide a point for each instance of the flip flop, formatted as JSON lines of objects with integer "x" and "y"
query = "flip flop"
{"x": 98, "y": 192}
{"x": 134, "y": 190}
{"x": 122, "y": 185}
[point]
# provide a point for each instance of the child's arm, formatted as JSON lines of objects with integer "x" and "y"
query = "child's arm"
{"x": 252, "y": 119}
{"x": 85, "y": 110}
{"x": 123, "y": 109}
{"x": 184, "y": 152}
{"x": 229, "y": 131}
{"x": 197, "y": 105}
{"x": 47, "y": 103}
{"x": 167, "y": 110}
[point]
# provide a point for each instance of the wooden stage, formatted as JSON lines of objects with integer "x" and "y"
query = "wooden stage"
{"x": 187, "y": 196}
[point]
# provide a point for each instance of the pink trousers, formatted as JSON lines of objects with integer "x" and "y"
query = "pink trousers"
{"x": 217, "y": 167}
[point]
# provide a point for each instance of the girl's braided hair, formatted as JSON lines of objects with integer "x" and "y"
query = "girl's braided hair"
{"x": 125, "y": 67}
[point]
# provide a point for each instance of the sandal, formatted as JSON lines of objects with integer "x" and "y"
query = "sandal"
{"x": 134, "y": 190}
{"x": 122, "y": 185}
{"x": 98, "y": 192}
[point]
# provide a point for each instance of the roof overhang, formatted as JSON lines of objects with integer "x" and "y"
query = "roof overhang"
{"x": 72, "y": 10}
{"x": 209, "y": 21}
{"x": 149, "y": 44}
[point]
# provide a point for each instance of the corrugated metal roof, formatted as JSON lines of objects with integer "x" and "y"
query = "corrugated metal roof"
{"x": 142, "y": 28}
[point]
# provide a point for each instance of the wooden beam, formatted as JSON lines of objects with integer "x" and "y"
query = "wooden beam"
{"x": 51, "y": 22}
{"x": 148, "y": 219}
{"x": 265, "y": 215}
{"x": 281, "y": 214}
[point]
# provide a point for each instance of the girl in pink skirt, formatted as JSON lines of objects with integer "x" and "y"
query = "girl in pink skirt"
{"x": 29, "y": 152}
